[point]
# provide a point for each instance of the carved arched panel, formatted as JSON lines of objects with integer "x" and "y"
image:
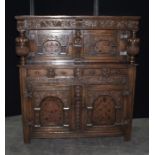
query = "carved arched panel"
{"x": 103, "y": 110}
{"x": 51, "y": 113}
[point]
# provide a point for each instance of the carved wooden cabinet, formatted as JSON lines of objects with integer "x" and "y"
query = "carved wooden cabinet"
{"x": 77, "y": 75}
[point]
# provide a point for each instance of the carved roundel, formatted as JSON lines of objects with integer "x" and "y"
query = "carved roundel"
{"x": 52, "y": 47}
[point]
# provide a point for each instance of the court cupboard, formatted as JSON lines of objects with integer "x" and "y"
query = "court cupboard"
{"x": 77, "y": 75}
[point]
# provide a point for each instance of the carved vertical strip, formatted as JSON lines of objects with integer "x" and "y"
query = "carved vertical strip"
{"x": 78, "y": 99}
{"x": 77, "y": 44}
{"x": 72, "y": 112}
{"x": 24, "y": 105}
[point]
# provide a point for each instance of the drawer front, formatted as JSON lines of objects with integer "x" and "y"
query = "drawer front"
{"x": 95, "y": 74}
{"x": 37, "y": 73}
{"x": 117, "y": 75}
{"x": 50, "y": 72}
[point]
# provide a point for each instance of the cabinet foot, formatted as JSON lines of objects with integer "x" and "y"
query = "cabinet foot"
{"x": 26, "y": 137}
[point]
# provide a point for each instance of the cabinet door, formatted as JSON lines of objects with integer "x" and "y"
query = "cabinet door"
{"x": 101, "y": 45}
{"x": 103, "y": 107}
{"x": 52, "y": 108}
{"x": 47, "y": 45}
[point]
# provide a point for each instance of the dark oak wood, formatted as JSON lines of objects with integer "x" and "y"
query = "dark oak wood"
{"x": 77, "y": 75}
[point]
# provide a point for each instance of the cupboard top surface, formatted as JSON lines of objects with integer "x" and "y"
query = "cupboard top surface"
{"x": 66, "y": 16}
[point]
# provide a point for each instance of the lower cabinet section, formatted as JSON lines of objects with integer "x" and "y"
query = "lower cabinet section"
{"x": 78, "y": 110}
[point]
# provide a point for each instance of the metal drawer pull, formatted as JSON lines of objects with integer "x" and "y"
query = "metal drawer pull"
{"x": 118, "y": 107}
{"x": 37, "y": 126}
{"x": 89, "y": 124}
{"x": 66, "y": 125}
{"x": 37, "y": 109}
{"x": 66, "y": 108}
{"x": 90, "y": 107}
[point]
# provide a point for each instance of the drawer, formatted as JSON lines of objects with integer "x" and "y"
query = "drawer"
{"x": 105, "y": 75}
{"x": 49, "y": 72}
{"x": 64, "y": 72}
{"x": 37, "y": 72}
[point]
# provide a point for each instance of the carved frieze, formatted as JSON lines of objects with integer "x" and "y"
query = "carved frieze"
{"x": 78, "y": 23}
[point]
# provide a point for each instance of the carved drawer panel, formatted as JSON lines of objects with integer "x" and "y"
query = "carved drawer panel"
{"x": 37, "y": 72}
{"x": 50, "y": 72}
{"x": 64, "y": 72}
{"x": 111, "y": 74}
{"x": 92, "y": 72}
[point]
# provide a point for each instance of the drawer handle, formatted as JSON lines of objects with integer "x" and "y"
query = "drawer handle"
{"x": 37, "y": 109}
{"x": 118, "y": 107}
{"x": 66, "y": 108}
{"x": 37, "y": 126}
{"x": 66, "y": 125}
{"x": 89, "y": 124}
{"x": 89, "y": 107}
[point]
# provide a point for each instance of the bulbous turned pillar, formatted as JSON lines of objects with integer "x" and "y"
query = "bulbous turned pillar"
{"x": 22, "y": 46}
{"x": 133, "y": 47}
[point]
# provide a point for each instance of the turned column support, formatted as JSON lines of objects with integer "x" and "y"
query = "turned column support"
{"x": 133, "y": 47}
{"x": 22, "y": 46}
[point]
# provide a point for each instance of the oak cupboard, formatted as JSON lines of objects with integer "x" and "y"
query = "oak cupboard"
{"x": 77, "y": 75}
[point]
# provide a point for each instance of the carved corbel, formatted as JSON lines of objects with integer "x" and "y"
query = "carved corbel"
{"x": 32, "y": 43}
{"x": 133, "y": 47}
{"x": 22, "y": 46}
{"x": 123, "y": 42}
{"x": 77, "y": 43}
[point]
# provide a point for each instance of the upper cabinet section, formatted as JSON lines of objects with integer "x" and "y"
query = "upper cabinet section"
{"x": 45, "y": 39}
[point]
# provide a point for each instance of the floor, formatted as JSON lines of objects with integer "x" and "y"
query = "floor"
{"x": 82, "y": 146}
